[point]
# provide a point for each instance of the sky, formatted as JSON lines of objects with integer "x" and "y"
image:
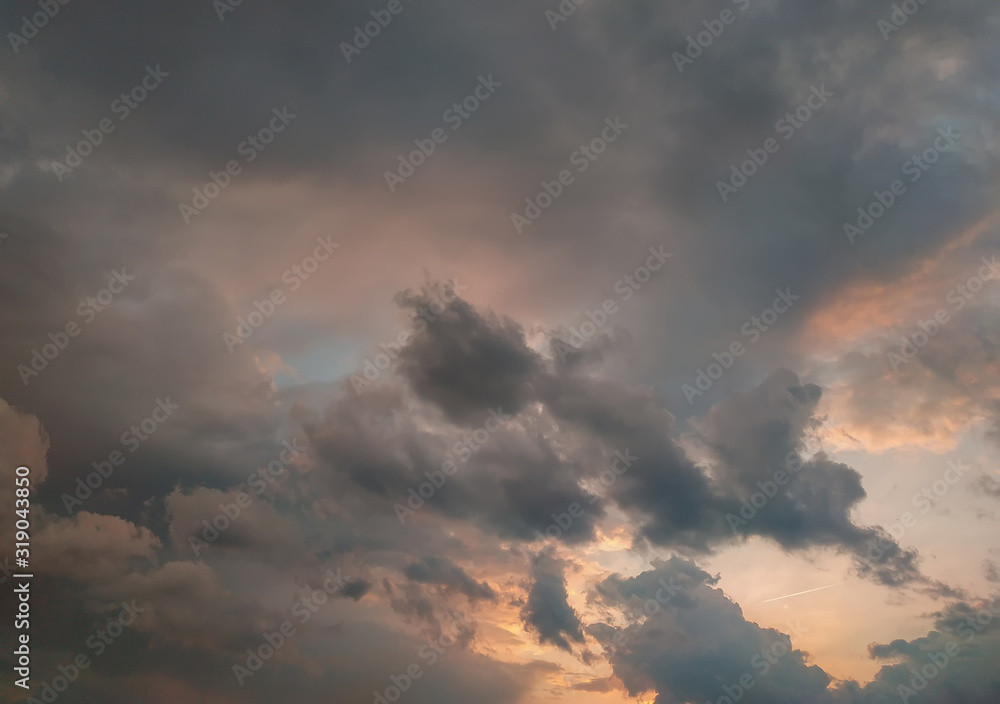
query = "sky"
{"x": 522, "y": 352}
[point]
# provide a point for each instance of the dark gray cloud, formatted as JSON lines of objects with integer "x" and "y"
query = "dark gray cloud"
{"x": 520, "y": 485}
{"x": 953, "y": 662}
{"x": 697, "y": 645}
{"x": 987, "y": 485}
{"x": 446, "y": 364}
{"x": 991, "y": 571}
{"x": 443, "y": 572}
{"x": 547, "y": 610}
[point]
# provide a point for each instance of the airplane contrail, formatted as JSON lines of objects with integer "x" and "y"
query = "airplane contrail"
{"x": 798, "y": 593}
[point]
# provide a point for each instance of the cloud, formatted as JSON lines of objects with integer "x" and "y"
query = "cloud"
{"x": 815, "y": 388}
{"x": 519, "y": 479}
{"x": 698, "y": 645}
{"x": 446, "y": 574}
{"x": 93, "y": 548}
{"x": 547, "y": 610}
{"x": 951, "y": 662}
{"x": 446, "y": 364}
{"x": 23, "y": 442}
{"x": 702, "y": 648}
